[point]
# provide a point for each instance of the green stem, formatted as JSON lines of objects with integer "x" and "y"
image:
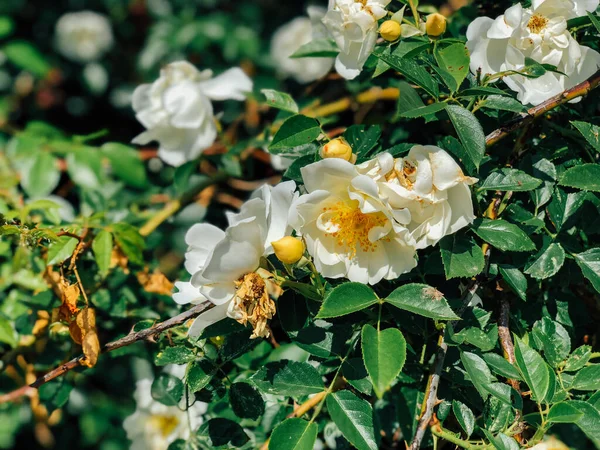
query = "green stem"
{"x": 447, "y": 436}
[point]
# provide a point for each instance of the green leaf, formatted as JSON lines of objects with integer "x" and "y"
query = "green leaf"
{"x": 288, "y": 378}
{"x": 384, "y": 354}
{"x": 408, "y": 99}
{"x": 578, "y": 358}
{"x": 356, "y": 375}
{"x": 595, "y": 21}
{"x": 589, "y": 263}
{"x": 55, "y": 394}
{"x": 501, "y": 366}
{"x": 503, "y": 103}
{"x": 589, "y": 422}
{"x": 469, "y": 132}
{"x": 126, "y": 164}
{"x": 454, "y": 147}
{"x": 280, "y": 100}
{"x": 587, "y": 379}
{"x": 506, "y": 179}
{"x": 503, "y": 235}
{"x": 354, "y": 417}
{"x": 174, "y": 355}
{"x": 590, "y": 132}
{"x": 545, "y": 171}
{"x": 584, "y": 176}
{"x": 423, "y": 300}
{"x": 102, "y": 246}
{"x": 61, "y": 249}
{"x": 455, "y": 60}
{"x": 501, "y": 441}
{"x": 295, "y": 131}
{"x": 533, "y": 369}
{"x": 563, "y": 412}
{"x": 8, "y": 335}
{"x": 413, "y": 72}
{"x": 547, "y": 262}
{"x": 461, "y": 256}
{"x": 41, "y": 176}
{"x": 515, "y": 279}
{"x": 478, "y": 371}
{"x": 554, "y": 340}
{"x": 7, "y": 26}
{"x": 362, "y": 139}
{"x": 423, "y": 110}
{"x": 167, "y": 389}
{"x": 317, "y": 48}
{"x": 223, "y": 432}
{"x": 85, "y": 168}
{"x": 25, "y": 56}
{"x": 563, "y": 206}
{"x": 346, "y": 299}
{"x": 246, "y": 401}
{"x": 464, "y": 416}
{"x": 130, "y": 241}
{"x": 294, "y": 434}
{"x": 481, "y": 91}
{"x": 199, "y": 374}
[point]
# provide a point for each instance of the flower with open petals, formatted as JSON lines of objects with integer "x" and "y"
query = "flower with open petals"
{"x": 293, "y": 35}
{"x": 154, "y": 426}
{"x": 348, "y": 229}
{"x": 177, "y": 111}
{"x": 225, "y": 264}
{"x": 83, "y": 36}
{"x": 539, "y": 33}
{"x": 431, "y": 186}
{"x": 353, "y": 25}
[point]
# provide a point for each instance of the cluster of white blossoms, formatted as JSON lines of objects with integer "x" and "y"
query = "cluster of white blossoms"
{"x": 177, "y": 110}
{"x": 361, "y": 222}
{"x": 293, "y": 35}
{"x": 83, "y": 36}
{"x": 153, "y": 425}
{"x": 540, "y": 33}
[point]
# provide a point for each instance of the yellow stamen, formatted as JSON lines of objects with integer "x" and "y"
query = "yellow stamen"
{"x": 537, "y": 23}
{"x": 165, "y": 424}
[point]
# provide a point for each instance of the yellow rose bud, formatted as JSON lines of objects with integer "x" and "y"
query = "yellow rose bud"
{"x": 289, "y": 250}
{"x": 337, "y": 148}
{"x": 390, "y": 30}
{"x": 435, "y": 25}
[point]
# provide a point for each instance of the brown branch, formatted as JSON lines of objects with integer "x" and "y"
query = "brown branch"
{"x": 434, "y": 378}
{"x": 533, "y": 113}
{"x": 131, "y": 338}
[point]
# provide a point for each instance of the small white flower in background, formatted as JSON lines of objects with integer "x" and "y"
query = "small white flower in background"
{"x": 431, "y": 186}
{"x": 293, "y": 35}
{"x": 353, "y": 26}
{"x": 539, "y": 33}
{"x": 177, "y": 111}
{"x": 154, "y": 426}
{"x": 225, "y": 264}
{"x": 83, "y": 36}
{"x": 348, "y": 229}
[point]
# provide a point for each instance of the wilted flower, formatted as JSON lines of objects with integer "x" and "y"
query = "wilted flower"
{"x": 83, "y": 36}
{"x": 154, "y": 426}
{"x": 539, "y": 33}
{"x": 353, "y": 25}
{"x": 225, "y": 264}
{"x": 293, "y": 35}
{"x": 177, "y": 111}
{"x": 348, "y": 229}
{"x": 428, "y": 184}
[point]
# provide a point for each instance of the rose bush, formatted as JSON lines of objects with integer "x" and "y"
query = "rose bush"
{"x": 389, "y": 239}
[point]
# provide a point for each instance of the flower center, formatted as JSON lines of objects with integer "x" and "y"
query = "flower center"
{"x": 537, "y": 23}
{"x": 252, "y": 304}
{"x": 165, "y": 424}
{"x": 352, "y": 226}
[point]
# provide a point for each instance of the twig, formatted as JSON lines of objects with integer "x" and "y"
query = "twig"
{"x": 575, "y": 92}
{"x": 434, "y": 378}
{"x": 505, "y": 339}
{"x": 131, "y": 338}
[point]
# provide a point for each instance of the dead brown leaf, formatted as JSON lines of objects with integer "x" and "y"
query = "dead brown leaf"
{"x": 155, "y": 282}
{"x": 83, "y": 331}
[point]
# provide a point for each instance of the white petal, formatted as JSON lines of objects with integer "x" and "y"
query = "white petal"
{"x": 187, "y": 293}
{"x": 207, "y": 318}
{"x": 461, "y": 203}
{"x": 218, "y": 293}
{"x": 186, "y": 104}
{"x": 201, "y": 239}
{"x": 232, "y": 84}
{"x": 332, "y": 175}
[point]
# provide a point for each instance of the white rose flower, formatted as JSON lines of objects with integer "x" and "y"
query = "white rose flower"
{"x": 349, "y": 231}
{"x": 353, "y": 25}
{"x": 177, "y": 111}
{"x": 83, "y": 36}
{"x": 431, "y": 186}
{"x": 153, "y": 426}
{"x": 539, "y": 33}
{"x": 224, "y": 264}
{"x": 293, "y": 35}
